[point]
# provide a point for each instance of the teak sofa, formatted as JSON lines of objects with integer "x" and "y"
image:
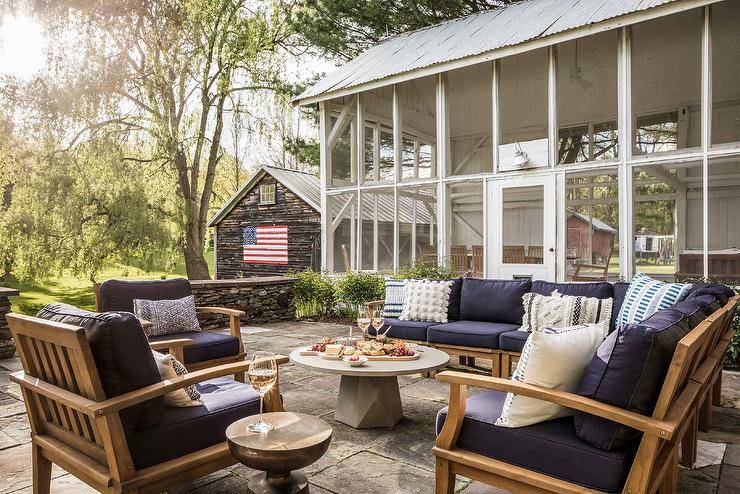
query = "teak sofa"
{"x": 553, "y": 457}
{"x": 94, "y": 401}
{"x": 197, "y": 350}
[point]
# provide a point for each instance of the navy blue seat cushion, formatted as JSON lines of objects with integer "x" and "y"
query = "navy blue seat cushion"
{"x": 550, "y": 447}
{"x": 207, "y": 345}
{"x": 476, "y": 334}
{"x": 453, "y": 309}
{"x": 513, "y": 341}
{"x": 493, "y": 300}
{"x": 189, "y": 429}
{"x": 119, "y": 295}
{"x": 405, "y": 330}
{"x": 628, "y": 371}
{"x": 619, "y": 291}
{"x": 122, "y": 357}
{"x": 601, "y": 289}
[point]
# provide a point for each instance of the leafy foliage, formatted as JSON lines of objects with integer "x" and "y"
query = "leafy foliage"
{"x": 425, "y": 270}
{"x": 356, "y": 288}
{"x": 314, "y": 294}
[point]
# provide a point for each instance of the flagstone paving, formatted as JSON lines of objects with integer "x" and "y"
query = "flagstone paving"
{"x": 396, "y": 460}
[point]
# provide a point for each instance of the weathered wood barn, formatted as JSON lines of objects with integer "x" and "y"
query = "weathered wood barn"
{"x": 503, "y": 124}
{"x": 271, "y": 226}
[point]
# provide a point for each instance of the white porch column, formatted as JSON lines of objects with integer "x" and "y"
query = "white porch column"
{"x": 624, "y": 174}
{"x": 706, "y": 125}
{"x": 326, "y": 233}
{"x": 443, "y": 159}
{"x": 397, "y": 169}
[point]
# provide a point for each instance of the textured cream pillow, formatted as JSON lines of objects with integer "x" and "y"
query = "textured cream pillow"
{"x": 169, "y": 368}
{"x": 426, "y": 300}
{"x": 553, "y": 358}
{"x": 562, "y": 311}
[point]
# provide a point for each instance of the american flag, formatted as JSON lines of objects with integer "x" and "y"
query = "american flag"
{"x": 266, "y": 244}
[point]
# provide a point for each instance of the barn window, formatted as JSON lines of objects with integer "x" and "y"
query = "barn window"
{"x": 267, "y": 194}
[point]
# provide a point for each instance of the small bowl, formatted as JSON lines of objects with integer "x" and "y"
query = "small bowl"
{"x": 356, "y": 363}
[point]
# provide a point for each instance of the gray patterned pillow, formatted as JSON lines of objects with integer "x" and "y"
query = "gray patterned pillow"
{"x": 168, "y": 316}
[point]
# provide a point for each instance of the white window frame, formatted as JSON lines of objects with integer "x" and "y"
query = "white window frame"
{"x": 268, "y": 193}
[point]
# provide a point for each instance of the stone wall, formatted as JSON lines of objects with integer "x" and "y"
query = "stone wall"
{"x": 264, "y": 299}
{"x": 7, "y": 347}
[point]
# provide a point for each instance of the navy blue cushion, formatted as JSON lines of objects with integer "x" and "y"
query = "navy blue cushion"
{"x": 493, "y": 300}
{"x": 693, "y": 310}
{"x": 550, "y": 447}
{"x": 207, "y": 345}
{"x": 513, "y": 341}
{"x": 601, "y": 289}
{"x": 453, "y": 310}
{"x": 721, "y": 292}
{"x": 189, "y": 429}
{"x": 708, "y": 303}
{"x": 477, "y": 334}
{"x": 405, "y": 330}
{"x": 119, "y": 295}
{"x": 619, "y": 291}
{"x": 122, "y": 357}
{"x": 628, "y": 371}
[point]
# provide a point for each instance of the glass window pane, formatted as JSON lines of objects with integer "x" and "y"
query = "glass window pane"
{"x": 592, "y": 216}
{"x": 523, "y": 110}
{"x": 522, "y": 225}
{"x": 465, "y": 213}
{"x": 470, "y": 110}
{"x": 342, "y": 171}
{"x": 377, "y": 106}
{"x": 418, "y": 117}
{"x": 587, "y": 99}
{"x": 725, "y": 72}
{"x": 667, "y": 219}
{"x": 417, "y": 223}
{"x": 666, "y": 83}
{"x": 377, "y": 229}
{"x": 371, "y": 154}
{"x": 724, "y": 222}
{"x": 343, "y": 235}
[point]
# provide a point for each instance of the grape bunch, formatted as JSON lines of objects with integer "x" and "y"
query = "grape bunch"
{"x": 401, "y": 350}
{"x": 321, "y": 346}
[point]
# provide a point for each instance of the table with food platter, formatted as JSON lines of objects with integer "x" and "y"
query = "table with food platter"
{"x": 368, "y": 390}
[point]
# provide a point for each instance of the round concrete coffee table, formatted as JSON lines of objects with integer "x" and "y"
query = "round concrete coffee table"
{"x": 297, "y": 441}
{"x": 368, "y": 395}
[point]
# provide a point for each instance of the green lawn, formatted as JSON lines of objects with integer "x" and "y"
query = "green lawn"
{"x": 77, "y": 291}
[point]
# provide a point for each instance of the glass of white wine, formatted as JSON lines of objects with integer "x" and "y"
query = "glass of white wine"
{"x": 363, "y": 322}
{"x": 262, "y": 376}
{"x": 377, "y": 320}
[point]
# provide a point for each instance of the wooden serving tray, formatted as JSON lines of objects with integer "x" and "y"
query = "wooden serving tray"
{"x": 386, "y": 358}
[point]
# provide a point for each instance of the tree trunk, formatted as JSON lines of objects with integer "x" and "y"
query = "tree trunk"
{"x": 196, "y": 266}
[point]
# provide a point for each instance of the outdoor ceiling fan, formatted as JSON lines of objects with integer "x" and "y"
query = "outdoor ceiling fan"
{"x": 576, "y": 73}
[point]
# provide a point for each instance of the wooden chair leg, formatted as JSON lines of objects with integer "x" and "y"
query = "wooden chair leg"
{"x": 669, "y": 484}
{"x": 705, "y": 414}
{"x": 688, "y": 443}
{"x": 470, "y": 361}
{"x": 496, "y": 365}
{"x": 445, "y": 479}
{"x": 240, "y": 377}
{"x": 717, "y": 391}
{"x": 41, "y": 472}
{"x": 505, "y": 365}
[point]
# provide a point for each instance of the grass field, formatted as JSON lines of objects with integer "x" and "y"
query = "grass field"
{"x": 78, "y": 291}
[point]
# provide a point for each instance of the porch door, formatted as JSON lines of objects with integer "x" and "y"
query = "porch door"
{"x": 523, "y": 222}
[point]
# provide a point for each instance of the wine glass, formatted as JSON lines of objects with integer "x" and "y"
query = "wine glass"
{"x": 363, "y": 322}
{"x": 377, "y": 321}
{"x": 262, "y": 376}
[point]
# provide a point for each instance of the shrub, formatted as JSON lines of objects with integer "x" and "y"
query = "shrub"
{"x": 315, "y": 294}
{"x": 425, "y": 270}
{"x": 356, "y": 288}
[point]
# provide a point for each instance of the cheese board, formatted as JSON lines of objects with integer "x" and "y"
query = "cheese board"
{"x": 390, "y": 358}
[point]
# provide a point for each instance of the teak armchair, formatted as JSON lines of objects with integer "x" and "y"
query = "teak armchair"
{"x": 74, "y": 425}
{"x": 686, "y": 391}
{"x": 202, "y": 350}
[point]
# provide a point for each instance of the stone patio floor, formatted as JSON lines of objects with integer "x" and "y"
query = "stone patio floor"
{"x": 396, "y": 460}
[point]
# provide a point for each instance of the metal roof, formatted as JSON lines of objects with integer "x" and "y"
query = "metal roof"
{"x": 472, "y": 35}
{"x": 597, "y": 223}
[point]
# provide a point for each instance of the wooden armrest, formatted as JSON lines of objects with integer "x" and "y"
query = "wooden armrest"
{"x": 648, "y": 425}
{"x": 590, "y": 266}
{"x": 374, "y": 303}
{"x": 54, "y": 393}
{"x": 146, "y": 325}
{"x": 167, "y": 344}
{"x": 221, "y": 310}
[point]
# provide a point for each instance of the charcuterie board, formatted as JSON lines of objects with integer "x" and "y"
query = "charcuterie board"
{"x": 388, "y": 358}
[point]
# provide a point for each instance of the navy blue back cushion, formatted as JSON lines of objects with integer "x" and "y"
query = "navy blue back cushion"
{"x": 122, "y": 356}
{"x": 619, "y": 289}
{"x": 628, "y": 371}
{"x": 601, "y": 289}
{"x": 721, "y": 292}
{"x": 119, "y": 295}
{"x": 493, "y": 300}
{"x": 453, "y": 310}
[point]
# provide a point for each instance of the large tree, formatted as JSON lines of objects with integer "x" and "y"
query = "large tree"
{"x": 159, "y": 77}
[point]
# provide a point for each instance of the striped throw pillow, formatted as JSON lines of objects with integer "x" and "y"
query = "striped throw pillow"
{"x": 395, "y": 290}
{"x": 646, "y": 296}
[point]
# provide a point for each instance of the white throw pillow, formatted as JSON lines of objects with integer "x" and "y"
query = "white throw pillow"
{"x": 168, "y": 316}
{"x": 426, "y": 300}
{"x": 645, "y": 296}
{"x": 553, "y": 358}
{"x": 562, "y": 311}
{"x": 169, "y": 368}
{"x": 395, "y": 290}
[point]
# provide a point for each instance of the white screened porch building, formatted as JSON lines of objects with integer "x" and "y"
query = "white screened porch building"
{"x": 569, "y": 139}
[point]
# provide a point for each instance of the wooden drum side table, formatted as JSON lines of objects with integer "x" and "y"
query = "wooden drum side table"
{"x": 297, "y": 441}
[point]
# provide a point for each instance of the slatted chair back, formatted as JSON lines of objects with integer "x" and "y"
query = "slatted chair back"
{"x": 535, "y": 253}
{"x": 477, "y": 260}
{"x": 514, "y": 254}
{"x": 59, "y": 354}
{"x": 459, "y": 258}
{"x": 677, "y": 398}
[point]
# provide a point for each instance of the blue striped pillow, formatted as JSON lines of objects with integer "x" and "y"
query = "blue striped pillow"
{"x": 395, "y": 290}
{"x": 645, "y": 296}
